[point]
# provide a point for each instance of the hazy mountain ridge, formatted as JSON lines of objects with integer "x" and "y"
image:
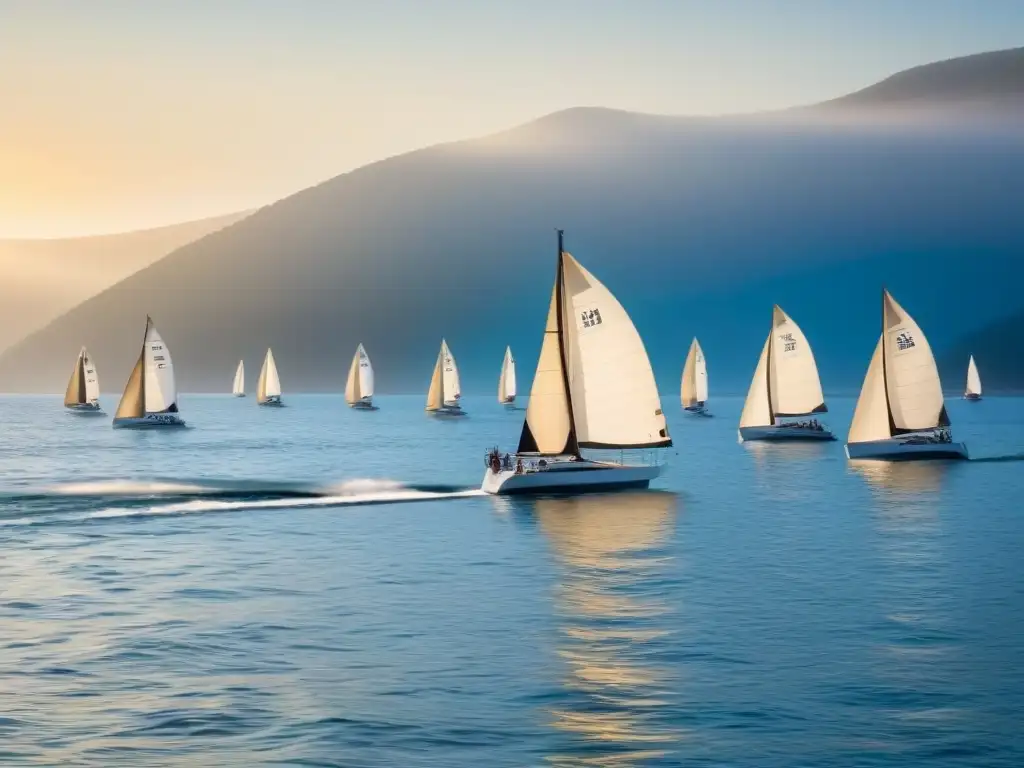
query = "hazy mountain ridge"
{"x": 697, "y": 224}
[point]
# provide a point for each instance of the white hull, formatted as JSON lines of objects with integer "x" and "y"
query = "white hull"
{"x": 86, "y": 409}
{"x": 150, "y": 421}
{"x": 781, "y": 433}
{"x": 580, "y": 476}
{"x": 897, "y": 449}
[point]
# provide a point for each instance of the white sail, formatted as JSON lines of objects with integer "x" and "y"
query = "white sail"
{"x": 973, "y": 379}
{"x": 270, "y": 383}
{"x": 450, "y": 375}
{"x": 871, "y": 416}
{"x": 158, "y": 385}
{"x": 359, "y": 386}
{"x": 911, "y": 376}
{"x": 794, "y": 384}
{"x": 238, "y": 387}
{"x": 548, "y": 425}
{"x": 694, "y": 388}
{"x": 507, "y": 380}
{"x": 92, "y": 380}
{"x": 757, "y": 410}
{"x": 615, "y": 400}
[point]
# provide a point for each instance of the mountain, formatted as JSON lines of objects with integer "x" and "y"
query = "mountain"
{"x": 698, "y": 224}
{"x": 998, "y": 349}
{"x": 45, "y": 278}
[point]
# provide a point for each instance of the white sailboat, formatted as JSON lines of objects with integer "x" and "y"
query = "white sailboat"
{"x": 785, "y": 389}
{"x": 507, "y": 381}
{"x": 973, "y": 389}
{"x": 83, "y": 392}
{"x": 150, "y": 397}
{"x": 694, "y": 389}
{"x": 359, "y": 387}
{"x": 593, "y": 389}
{"x": 238, "y": 387}
{"x": 445, "y": 390}
{"x": 900, "y": 412}
{"x": 268, "y": 388}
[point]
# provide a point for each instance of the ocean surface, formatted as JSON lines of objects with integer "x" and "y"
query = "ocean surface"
{"x": 314, "y": 586}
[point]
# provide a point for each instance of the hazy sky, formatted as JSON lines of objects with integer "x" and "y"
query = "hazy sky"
{"x": 118, "y": 114}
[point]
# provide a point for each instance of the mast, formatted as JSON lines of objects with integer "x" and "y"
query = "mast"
{"x": 571, "y": 444}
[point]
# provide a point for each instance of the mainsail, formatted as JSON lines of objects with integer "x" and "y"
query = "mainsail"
{"x": 973, "y": 379}
{"x": 359, "y": 386}
{"x": 238, "y": 387}
{"x": 150, "y": 387}
{"x": 269, "y": 385}
{"x": 507, "y": 381}
{"x": 75, "y": 393}
{"x": 435, "y": 394}
{"x": 450, "y": 375}
{"x": 786, "y": 379}
{"x": 694, "y": 389}
{"x": 594, "y": 387}
{"x": 902, "y": 392}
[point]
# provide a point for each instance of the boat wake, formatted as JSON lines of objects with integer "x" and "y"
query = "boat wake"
{"x": 996, "y": 459}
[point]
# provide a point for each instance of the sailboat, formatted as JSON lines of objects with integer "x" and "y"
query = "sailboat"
{"x": 268, "y": 388}
{"x": 694, "y": 392}
{"x": 973, "y": 389}
{"x": 445, "y": 390}
{"x": 785, "y": 389}
{"x": 359, "y": 387}
{"x": 900, "y": 412}
{"x": 507, "y": 382}
{"x": 238, "y": 387}
{"x": 150, "y": 397}
{"x": 83, "y": 392}
{"x": 593, "y": 388}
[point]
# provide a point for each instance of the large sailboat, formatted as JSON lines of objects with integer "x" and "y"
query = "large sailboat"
{"x": 150, "y": 397}
{"x": 238, "y": 386}
{"x": 359, "y": 387}
{"x": 445, "y": 390}
{"x": 268, "y": 388}
{"x": 694, "y": 390}
{"x": 973, "y": 389}
{"x": 507, "y": 382}
{"x": 593, "y": 389}
{"x": 900, "y": 412}
{"x": 786, "y": 389}
{"x": 83, "y": 392}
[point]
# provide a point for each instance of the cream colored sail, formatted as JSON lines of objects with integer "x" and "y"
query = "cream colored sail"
{"x": 161, "y": 393}
{"x": 238, "y": 387}
{"x": 694, "y": 388}
{"x": 359, "y": 386}
{"x": 911, "y": 376}
{"x": 269, "y": 384}
{"x": 793, "y": 375}
{"x": 507, "y": 380}
{"x": 548, "y": 425}
{"x": 973, "y": 379}
{"x": 435, "y": 393}
{"x": 614, "y": 396}
{"x": 92, "y": 379}
{"x": 871, "y": 416}
{"x": 757, "y": 410}
{"x": 75, "y": 393}
{"x": 450, "y": 374}
{"x": 133, "y": 401}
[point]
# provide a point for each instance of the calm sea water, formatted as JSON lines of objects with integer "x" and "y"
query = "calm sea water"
{"x": 223, "y": 596}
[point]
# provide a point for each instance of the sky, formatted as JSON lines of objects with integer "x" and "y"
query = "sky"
{"x": 124, "y": 114}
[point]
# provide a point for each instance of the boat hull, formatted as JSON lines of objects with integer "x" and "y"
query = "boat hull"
{"x": 271, "y": 403}
{"x": 568, "y": 477}
{"x": 972, "y": 396}
{"x": 898, "y": 450}
{"x": 784, "y": 434}
{"x": 86, "y": 409}
{"x": 448, "y": 411}
{"x": 362, "y": 405}
{"x": 150, "y": 421}
{"x": 239, "y": 394}
{"x": 697, "y": 410}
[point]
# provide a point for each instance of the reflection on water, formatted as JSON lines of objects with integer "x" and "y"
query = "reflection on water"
{"x": 780, "y": 466}
{"x": 614, "y": 617}
{"x": 902, "y": 477}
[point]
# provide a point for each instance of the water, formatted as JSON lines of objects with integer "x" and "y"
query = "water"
{"x": 222, "y": 596}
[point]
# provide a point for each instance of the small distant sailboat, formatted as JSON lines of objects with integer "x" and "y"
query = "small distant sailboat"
{"x": 359, "y": 387}
{"x": 238, "y": 387}
{"x": 445, "y": 390}
{"x": 507, "y": 382}
{"x": 594, "y": 388}
{"x": 785, "y": 387}
{"x": 150, "y": 397}
{"x": 973, "y": 389}
{"x": 83, "y": 392}
{"x": 900, "y": 412}
{"x": 694, "y": 392}
{"x": 268, "y": 389}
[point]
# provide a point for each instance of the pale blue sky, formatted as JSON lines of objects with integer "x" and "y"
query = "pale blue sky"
{"x": 124, "y": 113}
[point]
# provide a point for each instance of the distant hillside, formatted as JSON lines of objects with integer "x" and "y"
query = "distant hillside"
{"x": 699, "y": 225}
{"x": 998, "y": 349}
{"x": 45, "y": 278}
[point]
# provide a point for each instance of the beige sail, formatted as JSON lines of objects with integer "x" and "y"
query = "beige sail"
{"x": 352, "y": 391}
{"x": 507, "y": 380}
{"x": 973, "y": 379}
{"x": 871, "y": 416}
{"x": 133, "y": 401}
{"x": 75, "y": 393}
{"x": 794, "y": 384}
{"x": 614, "y": 396}
{"x": 757, "y": 410}
{"x": 694, "y": 388}
{"x": 269, "y": 384}
{"x": 435, "y": 394}
{"x": 548, "y": 426}
{"x": 911, "y": 376}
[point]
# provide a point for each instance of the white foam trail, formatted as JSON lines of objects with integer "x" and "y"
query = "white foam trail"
{"x": 127, "y": 488}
